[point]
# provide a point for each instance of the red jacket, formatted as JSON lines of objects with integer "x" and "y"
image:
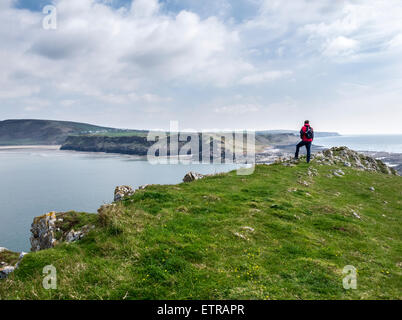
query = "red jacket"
{"x": 304, "y": 129}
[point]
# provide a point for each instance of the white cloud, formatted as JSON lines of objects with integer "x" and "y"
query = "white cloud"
{"x": 359, "y": 27}
{"x": 97, "y": 50}
{"x": 103, "y": 62}
{"x": 340, "y": 46}
{"x": 395, "y": 43}
{"x": 238, "y": 109}
{"x": 261, "y": 77}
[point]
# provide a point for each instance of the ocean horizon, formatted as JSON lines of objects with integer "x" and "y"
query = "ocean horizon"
{"x": 367, "y": 142}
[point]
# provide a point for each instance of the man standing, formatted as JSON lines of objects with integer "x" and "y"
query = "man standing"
{"x": 307, "y": 136}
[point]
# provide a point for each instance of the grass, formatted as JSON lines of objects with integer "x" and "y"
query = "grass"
{"x": 263, "y": 236}
{"x": 8, "y": 257}
{"x": 73, "y": 221}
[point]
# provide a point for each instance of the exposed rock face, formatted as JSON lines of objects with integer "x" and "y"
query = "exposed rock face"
{"x": 122, "y": 191}
{"x": 43, "y": 232}
{"x": 345, "y": 157}
{"x": 48, "y": 230}
{"x": 134, "y": 145}
{"x": 191, "y": 176}
{"x": 77, "y": 235}
{"x": 350, "y": 158}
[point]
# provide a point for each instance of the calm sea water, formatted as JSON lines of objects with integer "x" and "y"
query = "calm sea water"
{"x": 36, "y": 181}
{"x": 388, "y": 143}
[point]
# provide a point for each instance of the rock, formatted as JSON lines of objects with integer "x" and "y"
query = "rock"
{"x": 22, "y": 254}
{"x": 9, "y": 265}
{"x": 239, "y": 235}
{"x": 345, "y": 156}
{"x": 192, "y": 176}
{"x": 355, "y": 214}
{"x": 353, "y": 159}
{"x": 45, "y": 228}
{"x": 339, "y": 173}
{"x": 5, "y": 271}
{"x": 312, "y": 172}
{"x": 73, "y": 236}
{"x": 304, "y": 183}
{"x": 122, "y": 191}
{"x": 43, "y": 232}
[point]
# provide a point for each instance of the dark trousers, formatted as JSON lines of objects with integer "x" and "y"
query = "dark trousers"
{"x": 308, "y": 147}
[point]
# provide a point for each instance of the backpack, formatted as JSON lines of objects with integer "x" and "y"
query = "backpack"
{"x": 309, "y": 134}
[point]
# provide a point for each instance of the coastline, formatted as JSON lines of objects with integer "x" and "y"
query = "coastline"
{"x": 46, "y": 147}
{"x": 269, "y": 155}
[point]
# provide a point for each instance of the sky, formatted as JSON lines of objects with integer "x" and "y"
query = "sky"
{"x": 211, "y": 64}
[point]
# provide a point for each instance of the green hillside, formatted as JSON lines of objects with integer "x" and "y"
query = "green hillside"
{"x": 47, "y": 132}
{"x": 284, "y": 232}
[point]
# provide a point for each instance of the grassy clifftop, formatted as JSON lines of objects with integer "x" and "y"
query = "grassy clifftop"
{"x": 285, "y": 232}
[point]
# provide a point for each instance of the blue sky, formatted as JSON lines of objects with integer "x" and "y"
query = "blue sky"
{"x": 245, "y": 64}
{"x": 237, "y": 9}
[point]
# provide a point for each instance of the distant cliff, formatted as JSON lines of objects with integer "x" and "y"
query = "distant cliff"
{"x": 134, "y": 144}
{"x": 137, "y": 144}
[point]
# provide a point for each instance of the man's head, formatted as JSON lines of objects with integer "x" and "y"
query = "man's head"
{"x": 307, "y": 122}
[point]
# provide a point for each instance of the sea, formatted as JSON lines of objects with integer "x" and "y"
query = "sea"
{"x": 386, "y": 143}
{"x": 34, "y": 181}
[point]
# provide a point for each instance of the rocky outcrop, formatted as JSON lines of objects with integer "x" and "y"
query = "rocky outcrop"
{"x": 345, "y": 157}
{"x": 192, "y": 176}
{"x": 53, "y": 228}
{"x": 122, "y": 191}
{"x": 77, "y": 235}
{"x": 9, "y": 261}
{"x": 43, "y": 231}
{"x": 349, "y": 158}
